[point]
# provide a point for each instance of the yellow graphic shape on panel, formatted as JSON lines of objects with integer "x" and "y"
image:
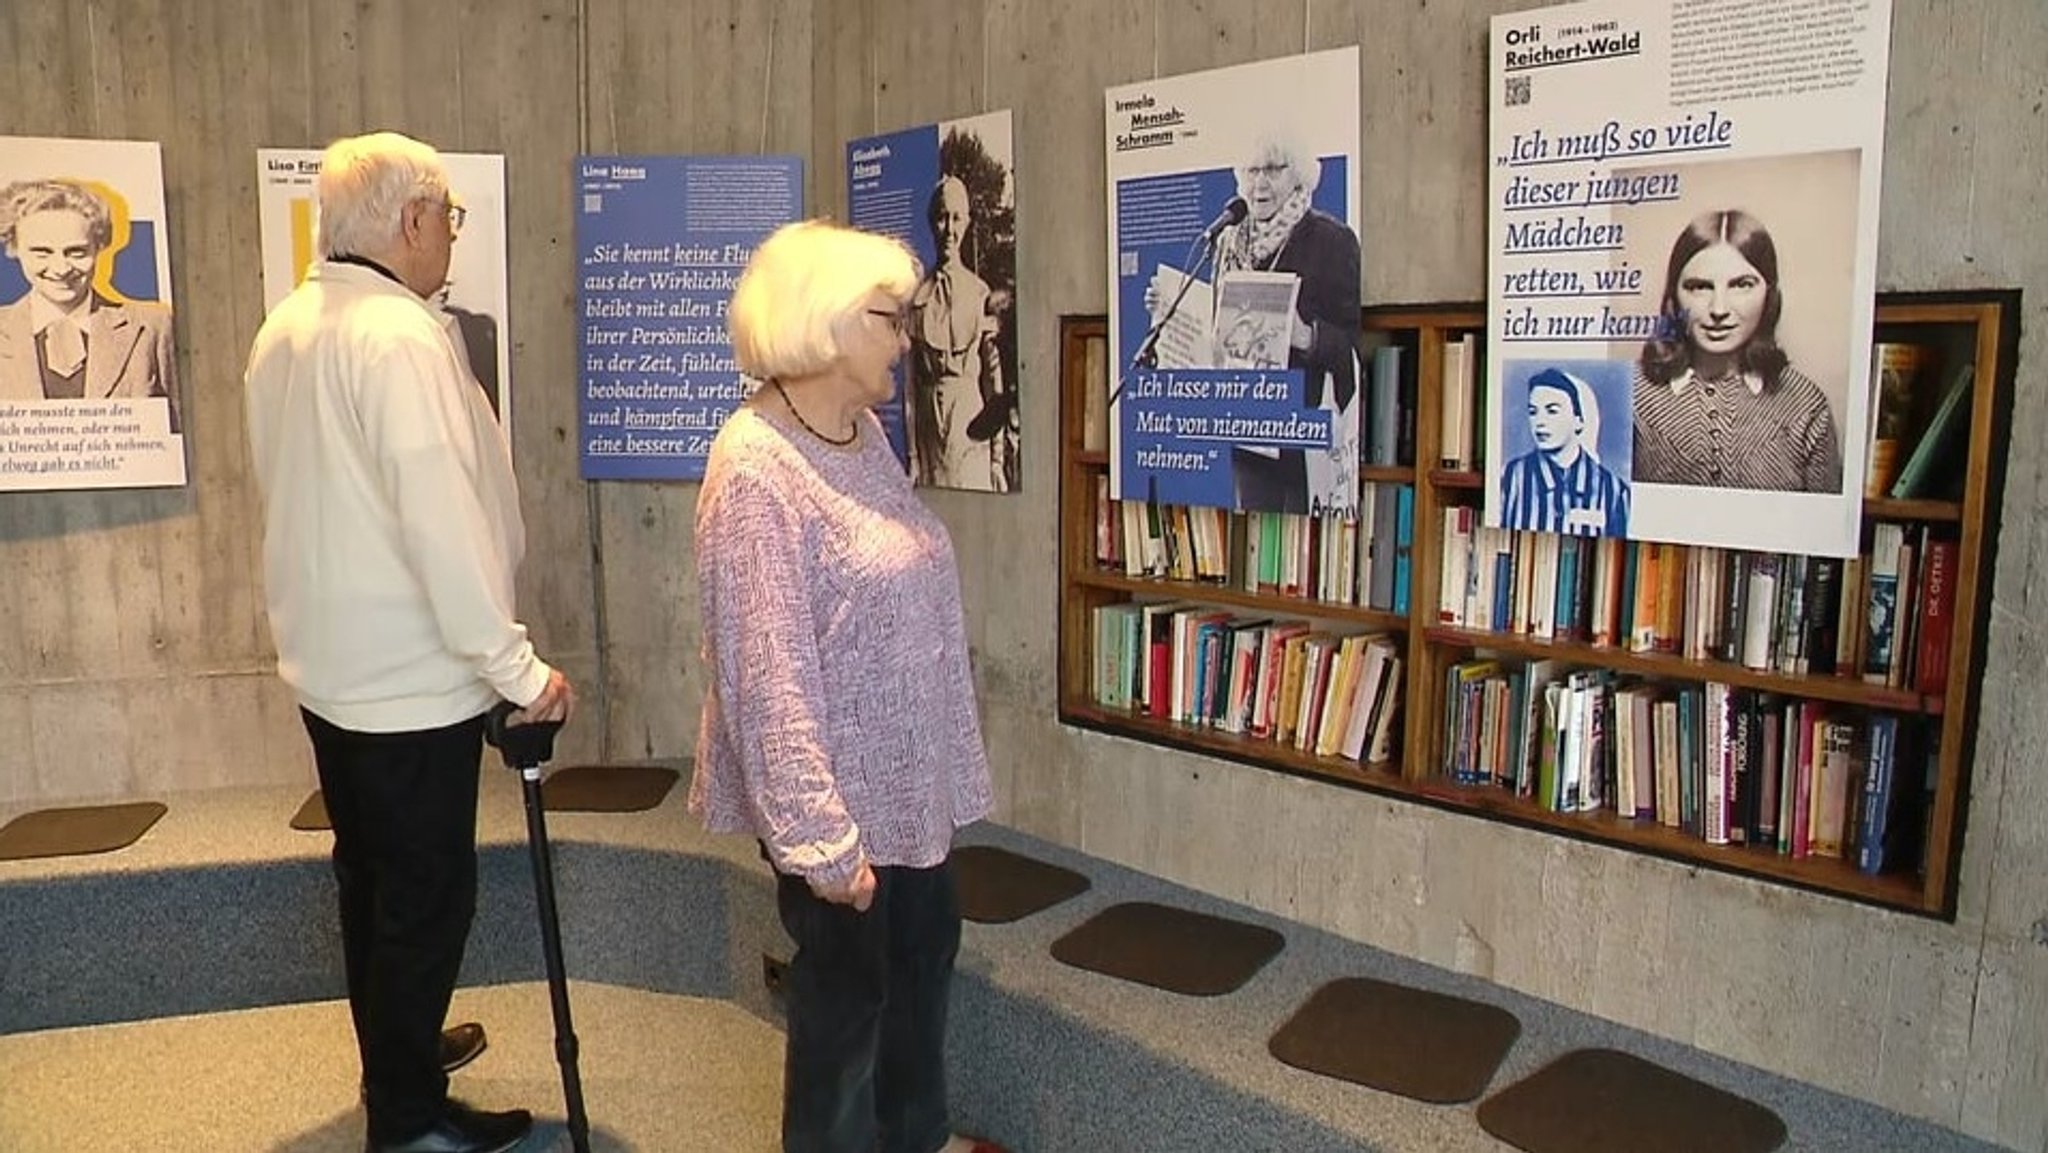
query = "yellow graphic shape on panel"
{"x": 103, "y": 267}
{"x": 303, "y": 221}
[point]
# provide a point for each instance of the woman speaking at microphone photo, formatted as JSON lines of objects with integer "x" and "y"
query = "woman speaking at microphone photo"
{"x": 1281, "y": 231}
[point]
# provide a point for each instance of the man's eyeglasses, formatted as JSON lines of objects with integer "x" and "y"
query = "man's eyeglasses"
{"x": 456, "y": 215}
{"x": 897, "y": 320}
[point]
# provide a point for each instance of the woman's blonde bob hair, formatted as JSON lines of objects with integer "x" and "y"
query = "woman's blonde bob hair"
{"x": 802, "y": 287}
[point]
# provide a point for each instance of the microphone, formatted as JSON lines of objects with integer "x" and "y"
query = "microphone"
{"x": 1233, "y": 213}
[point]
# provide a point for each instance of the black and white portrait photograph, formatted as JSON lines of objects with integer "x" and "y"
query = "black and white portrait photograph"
{"x": 1743, "y": 381}
{"x": 961, "y": 371}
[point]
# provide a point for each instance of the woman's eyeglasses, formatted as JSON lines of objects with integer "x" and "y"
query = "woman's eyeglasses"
{"x": 896, "y": 318}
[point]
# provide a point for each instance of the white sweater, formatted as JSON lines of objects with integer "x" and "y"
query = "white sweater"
{"x": 391, "y": 527}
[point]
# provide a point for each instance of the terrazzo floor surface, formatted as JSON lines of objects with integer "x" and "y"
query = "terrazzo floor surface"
{"x": 283, "y": 1080}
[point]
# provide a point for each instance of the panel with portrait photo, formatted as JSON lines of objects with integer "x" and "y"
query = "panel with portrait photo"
{"x": 86, "y": 328}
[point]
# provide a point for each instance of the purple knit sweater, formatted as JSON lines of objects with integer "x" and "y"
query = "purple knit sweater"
{"x": 839, "y": 713}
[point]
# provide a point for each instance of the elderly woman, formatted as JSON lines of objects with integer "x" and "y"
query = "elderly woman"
{"x": 64, "y": 339}
{"x": 839, "y": 725}
{"x": 1282, "y": 233}
{"x": 1717, "y": 402}
{"x": 1560, "y": 485}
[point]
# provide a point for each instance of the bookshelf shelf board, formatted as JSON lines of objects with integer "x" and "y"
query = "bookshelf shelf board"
{"x": 1092, "y": 458}
{"x": 1274, "y": 604}
{"x": 1237, "y": 746}
{"x": 1387, "y": 473}
{"x": 1444, "y": 317}
{"x": 1827, "y": 874}
{"x": 1456, "y": 478}
{"x": 1824, "y": 687}
{"x": 1928, "y": 510}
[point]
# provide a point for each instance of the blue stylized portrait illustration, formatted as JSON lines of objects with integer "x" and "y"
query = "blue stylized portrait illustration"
{"x": 1567, "y": 470}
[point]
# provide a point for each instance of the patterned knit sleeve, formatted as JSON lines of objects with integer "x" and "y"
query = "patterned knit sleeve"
{"x": 753, "y": 586}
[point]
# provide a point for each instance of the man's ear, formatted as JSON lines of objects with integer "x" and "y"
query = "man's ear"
{"x": 409, "y": 222}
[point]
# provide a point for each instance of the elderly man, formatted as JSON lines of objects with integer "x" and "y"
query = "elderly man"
{"x": 391, "y": 534}
{"x": 958, "y": 404}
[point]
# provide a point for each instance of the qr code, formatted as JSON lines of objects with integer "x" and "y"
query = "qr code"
{"x": 1127, "y": 264}
{"x": 1518, "y": 91}
{"x": 593, "y": 203}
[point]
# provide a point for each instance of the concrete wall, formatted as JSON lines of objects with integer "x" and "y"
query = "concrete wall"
{"x": 1943, "y": 1021}
{"x": 133, "y": 652}
{"x": 133, "y": 656}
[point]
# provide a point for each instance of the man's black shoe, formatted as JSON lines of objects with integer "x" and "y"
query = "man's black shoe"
{"x": 464, "y": 1130}
{"x": 461, "y": 1045}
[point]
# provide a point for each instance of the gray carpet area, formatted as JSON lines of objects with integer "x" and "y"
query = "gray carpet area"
{"x": 283, "y": 1079}
{"x": 183, "y": 994}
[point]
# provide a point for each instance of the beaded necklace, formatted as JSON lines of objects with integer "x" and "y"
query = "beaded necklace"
{"x": 789, "y": 404}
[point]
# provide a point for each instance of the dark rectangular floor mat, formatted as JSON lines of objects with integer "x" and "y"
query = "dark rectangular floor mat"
{"x": 1172, "y": 949}
{"x": 606, "y": 788}
{"x": 1429, "y": 1046}
{"x": 998, "y": 886}
{"x": 1604, "y": 1101}
{"x": 73, "y": 832}
{"x": 312, "y": 816}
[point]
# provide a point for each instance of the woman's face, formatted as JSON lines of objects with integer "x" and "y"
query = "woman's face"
{"x": 1266, "y": 184}
{"x": 880, "y": 335}
{"x": 1722, "y": 295}
{"x": 949, "y": 223}
{"x": 57, "y": 255}
{"x": 1552, "y": 423}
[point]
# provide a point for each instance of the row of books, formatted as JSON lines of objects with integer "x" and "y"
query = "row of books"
{"x": 1730, "y": 766}
{"x": 1342, "y": 560}
{"x": 1330, "y": 693}
{"x": 1917, "y": 433}
{"x": 1461, "y": 414}
{"x": 1886, "y": 616}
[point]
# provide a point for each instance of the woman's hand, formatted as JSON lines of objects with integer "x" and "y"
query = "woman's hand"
{"x": 858, "y": 890}
{"x": 1158, "y": 291}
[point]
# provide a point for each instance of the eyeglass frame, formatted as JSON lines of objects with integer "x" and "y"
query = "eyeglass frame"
{"x": 452, "y": 212}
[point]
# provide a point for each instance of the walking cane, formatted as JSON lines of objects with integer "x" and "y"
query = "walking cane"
{"x": 526, "y": 748}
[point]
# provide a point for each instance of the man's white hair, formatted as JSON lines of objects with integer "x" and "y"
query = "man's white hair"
{"x": 365, "y": 184}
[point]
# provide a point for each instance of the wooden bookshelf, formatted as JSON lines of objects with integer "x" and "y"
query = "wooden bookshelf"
{"x": 1980, "y": 327}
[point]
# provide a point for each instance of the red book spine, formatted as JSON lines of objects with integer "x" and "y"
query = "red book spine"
{"x": 1161, "y": 702}
{"x": 1937, "y": 618}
